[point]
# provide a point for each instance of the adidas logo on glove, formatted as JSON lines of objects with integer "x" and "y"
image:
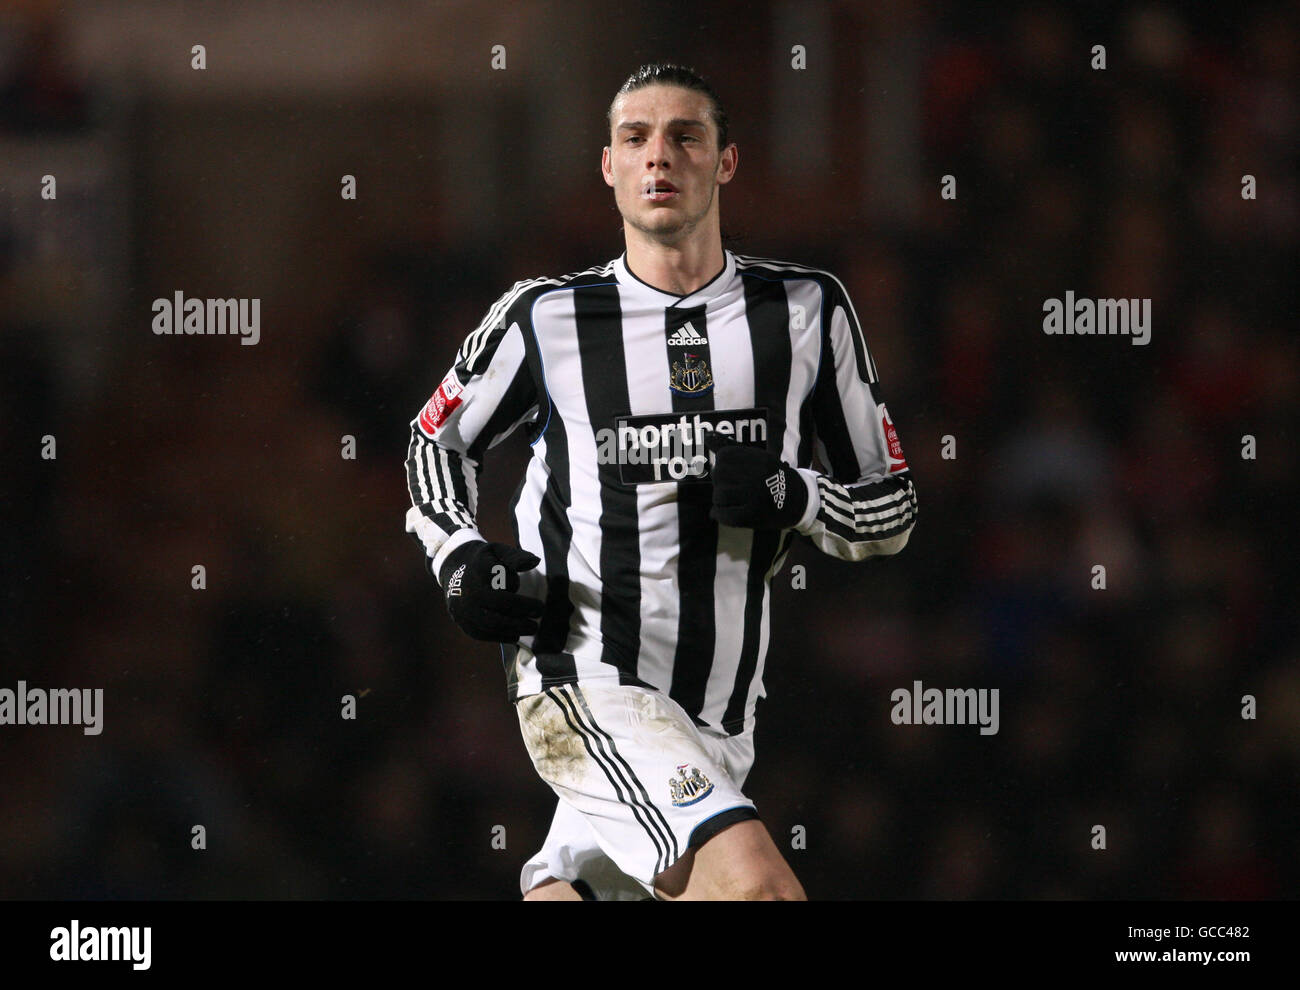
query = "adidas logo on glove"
{"x": 453, "y": 583}
{"x": 776, "y": 485}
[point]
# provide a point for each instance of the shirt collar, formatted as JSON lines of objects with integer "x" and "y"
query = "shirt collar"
{"x": 705, "y": 293}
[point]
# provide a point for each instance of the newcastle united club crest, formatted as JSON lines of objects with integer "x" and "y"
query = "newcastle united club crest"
{"x": 689, "y": 786}
{"x": 690, "y": 376}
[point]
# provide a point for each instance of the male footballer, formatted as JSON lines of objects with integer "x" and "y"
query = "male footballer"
{"x": 674, "y": 398}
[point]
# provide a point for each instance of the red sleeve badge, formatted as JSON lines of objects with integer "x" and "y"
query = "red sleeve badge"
{"x": 441, "y": 404}
{"x": 897, "y": 462}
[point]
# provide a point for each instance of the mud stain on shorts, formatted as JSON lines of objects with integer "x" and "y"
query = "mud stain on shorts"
{"x": 557, "y": 752}
{"x": 654, "y": 715}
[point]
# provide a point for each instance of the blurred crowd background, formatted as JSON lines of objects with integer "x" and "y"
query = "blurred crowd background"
{"x": 1119, "y": 708}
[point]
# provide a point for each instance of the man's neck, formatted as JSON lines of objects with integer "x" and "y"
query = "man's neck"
{"x": 677, "y": 268}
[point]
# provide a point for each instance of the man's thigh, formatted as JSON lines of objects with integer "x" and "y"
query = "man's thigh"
{"x": 740, "y": 863}
{"x": 630, "y": 763}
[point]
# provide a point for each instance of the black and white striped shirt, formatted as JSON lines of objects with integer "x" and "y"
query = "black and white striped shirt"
{"x": 616, "y": 381}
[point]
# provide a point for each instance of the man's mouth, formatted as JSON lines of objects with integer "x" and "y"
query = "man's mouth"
{"x": 658, "y": 190}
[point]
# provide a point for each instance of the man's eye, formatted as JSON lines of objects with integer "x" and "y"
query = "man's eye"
{"x": 634, "y": 137}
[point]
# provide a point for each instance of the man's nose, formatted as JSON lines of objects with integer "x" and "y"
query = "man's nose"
{"x": 656, "y": 152}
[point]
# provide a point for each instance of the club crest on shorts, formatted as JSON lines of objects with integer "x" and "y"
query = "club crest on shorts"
{"x": 691, "y": 376}
{"x": 689, "y": 786}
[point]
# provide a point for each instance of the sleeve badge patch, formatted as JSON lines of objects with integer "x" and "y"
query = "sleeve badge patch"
{"x": 441, "y": 404}
{"x": 897, "y": 462}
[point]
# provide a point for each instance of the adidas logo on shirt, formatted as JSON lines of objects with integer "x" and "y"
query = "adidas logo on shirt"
{"x": 687, "y": 336}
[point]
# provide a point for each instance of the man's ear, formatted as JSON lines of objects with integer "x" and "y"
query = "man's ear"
{"x": 606, "y": 166}
{"x": 727, "y": 162}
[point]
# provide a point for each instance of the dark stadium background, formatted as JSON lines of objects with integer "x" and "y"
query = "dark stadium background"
{"x": 222, "y": 706}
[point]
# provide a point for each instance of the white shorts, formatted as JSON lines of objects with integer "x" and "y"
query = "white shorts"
{"x": 638, "y": 784}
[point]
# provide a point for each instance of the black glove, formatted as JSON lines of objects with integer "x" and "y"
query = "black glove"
{"x": 483, "y": 609}
{"x": 754, "y": 488}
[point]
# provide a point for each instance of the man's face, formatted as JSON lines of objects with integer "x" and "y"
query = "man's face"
{"x": 663, "y": 161}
